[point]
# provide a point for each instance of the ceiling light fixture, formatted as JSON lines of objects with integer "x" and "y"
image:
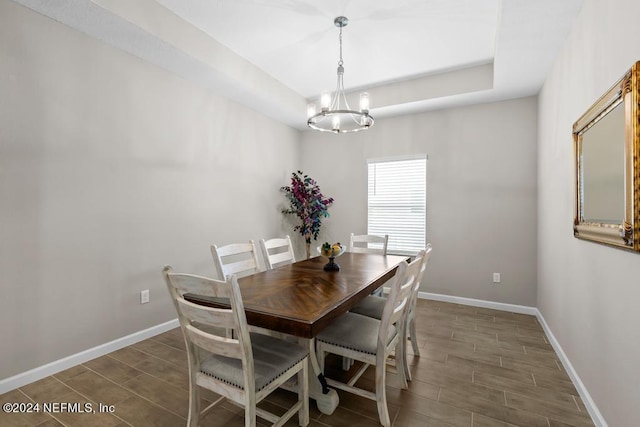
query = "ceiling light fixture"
{"x": 332, "y": 117}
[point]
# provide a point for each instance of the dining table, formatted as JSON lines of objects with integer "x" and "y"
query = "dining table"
{"x": 301, "y": 299}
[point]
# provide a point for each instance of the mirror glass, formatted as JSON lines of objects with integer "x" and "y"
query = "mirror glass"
{"x": 602, "y": 169}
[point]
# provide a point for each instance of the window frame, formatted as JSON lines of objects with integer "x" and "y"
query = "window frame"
{"x": 393, "y": 248}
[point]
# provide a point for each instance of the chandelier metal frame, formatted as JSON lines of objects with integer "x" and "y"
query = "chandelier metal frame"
{"x": 333, "y": 117}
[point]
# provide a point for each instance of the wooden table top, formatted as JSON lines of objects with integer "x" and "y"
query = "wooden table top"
{"x": 302, "y": 299}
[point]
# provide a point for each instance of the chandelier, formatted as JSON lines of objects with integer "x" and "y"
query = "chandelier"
{"x": 335, "y": 114}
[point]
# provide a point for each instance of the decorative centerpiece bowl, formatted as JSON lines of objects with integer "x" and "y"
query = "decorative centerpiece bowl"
{"x": 331, "y": 251}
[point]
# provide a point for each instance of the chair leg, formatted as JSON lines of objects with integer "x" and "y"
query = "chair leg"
{"x": 401, "y": 362}
{"x": 250, "y": 412}
{"x": 414, "y": 338}
{"x": 320, "y": 356}
{"x": 303, "y": 395}
{"x": 347, "y": 363}
{"x": 381, "y": 391}
{"x": 405, "y": 363}
{"x": 194, "y": 404}
{"x": 414, "y": 345}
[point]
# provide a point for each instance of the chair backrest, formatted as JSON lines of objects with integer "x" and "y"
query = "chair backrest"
{"x": 399, "y": 295}
{"x": 240, "y": 259}
{"x": 277, "y": 252}
{"x": 368, "y": 244}
{"x": 416, "y": 285}
{"x": 197, "y": 320}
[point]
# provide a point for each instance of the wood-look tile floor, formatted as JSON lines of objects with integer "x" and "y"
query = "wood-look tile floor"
{"x": 478, "y": 367}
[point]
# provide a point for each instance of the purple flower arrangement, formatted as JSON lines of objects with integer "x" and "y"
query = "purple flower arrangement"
{"x": 308, "y": 204}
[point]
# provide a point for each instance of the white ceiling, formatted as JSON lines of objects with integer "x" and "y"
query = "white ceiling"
{"x": 275, "y": 55}
{"x": 297, "y": 43}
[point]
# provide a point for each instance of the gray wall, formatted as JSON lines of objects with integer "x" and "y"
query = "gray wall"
{"x": 109, "y": 169}
{"x": 588, "y": 293}
{"x": 481, "y": 192}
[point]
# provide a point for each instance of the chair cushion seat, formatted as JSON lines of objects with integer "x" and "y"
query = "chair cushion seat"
{"x": 355, "y": 332}
{"x": 271, "y": 357}
{"x": 371, "y": 306}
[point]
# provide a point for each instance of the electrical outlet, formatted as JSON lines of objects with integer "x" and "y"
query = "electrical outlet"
{"x": 144, "y": 296}
{"x": 496, "y": 277}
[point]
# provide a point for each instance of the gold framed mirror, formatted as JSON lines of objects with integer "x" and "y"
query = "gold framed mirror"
{"x": 606, "y": 141}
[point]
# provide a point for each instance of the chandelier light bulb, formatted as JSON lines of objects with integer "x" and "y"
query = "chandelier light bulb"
{"x": 364, "y": 102}
{"x": 336, "y": 123}
{"x": 325, "y": 101}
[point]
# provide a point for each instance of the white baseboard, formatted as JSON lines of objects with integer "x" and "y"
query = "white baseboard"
{"x": 595, "y": 414}
{"x": 522, "y": 309}
{"x": 593, "y": 410}
{"x": 44, "y": 371}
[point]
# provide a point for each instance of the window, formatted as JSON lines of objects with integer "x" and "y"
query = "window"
{"x": 397, "y": 203}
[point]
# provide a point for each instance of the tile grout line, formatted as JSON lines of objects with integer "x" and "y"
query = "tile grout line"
{"x": 133, "y": 392}
{"x": 153, "y": 338}
{"x": 25, "y": 394}
{"x": 353, "y": 412}
{"x": 558, "y": 365}
{"x": 126, "y": 364}
{"x": 157, "y": 342}
{"x": 51, "y": 416}
{"x": 64, "y": 384}
{"x": 87, "y": 397}
{"x": 143, "y": 352}
{"x": 540, "y": 399}
{"x": 576, "y": 402}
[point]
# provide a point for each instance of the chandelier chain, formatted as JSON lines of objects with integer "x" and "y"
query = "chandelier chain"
{"x": 340, "y": 62}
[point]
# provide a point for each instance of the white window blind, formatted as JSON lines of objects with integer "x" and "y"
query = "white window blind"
{"x": 397, "y": 203}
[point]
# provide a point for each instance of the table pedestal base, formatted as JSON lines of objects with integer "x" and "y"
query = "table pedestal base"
{"x": 327, "y": 402}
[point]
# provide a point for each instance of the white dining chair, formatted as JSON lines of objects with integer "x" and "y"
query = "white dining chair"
{"x": 368, "y": 243}
{"x": 373, "y": 306}
{"x": 277, "y": 252}
{"x": 410, "y": 323}
{"x": 244, "y": 369}
{"x": 372, "y": 341}
{"x": 240, "y": 259}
